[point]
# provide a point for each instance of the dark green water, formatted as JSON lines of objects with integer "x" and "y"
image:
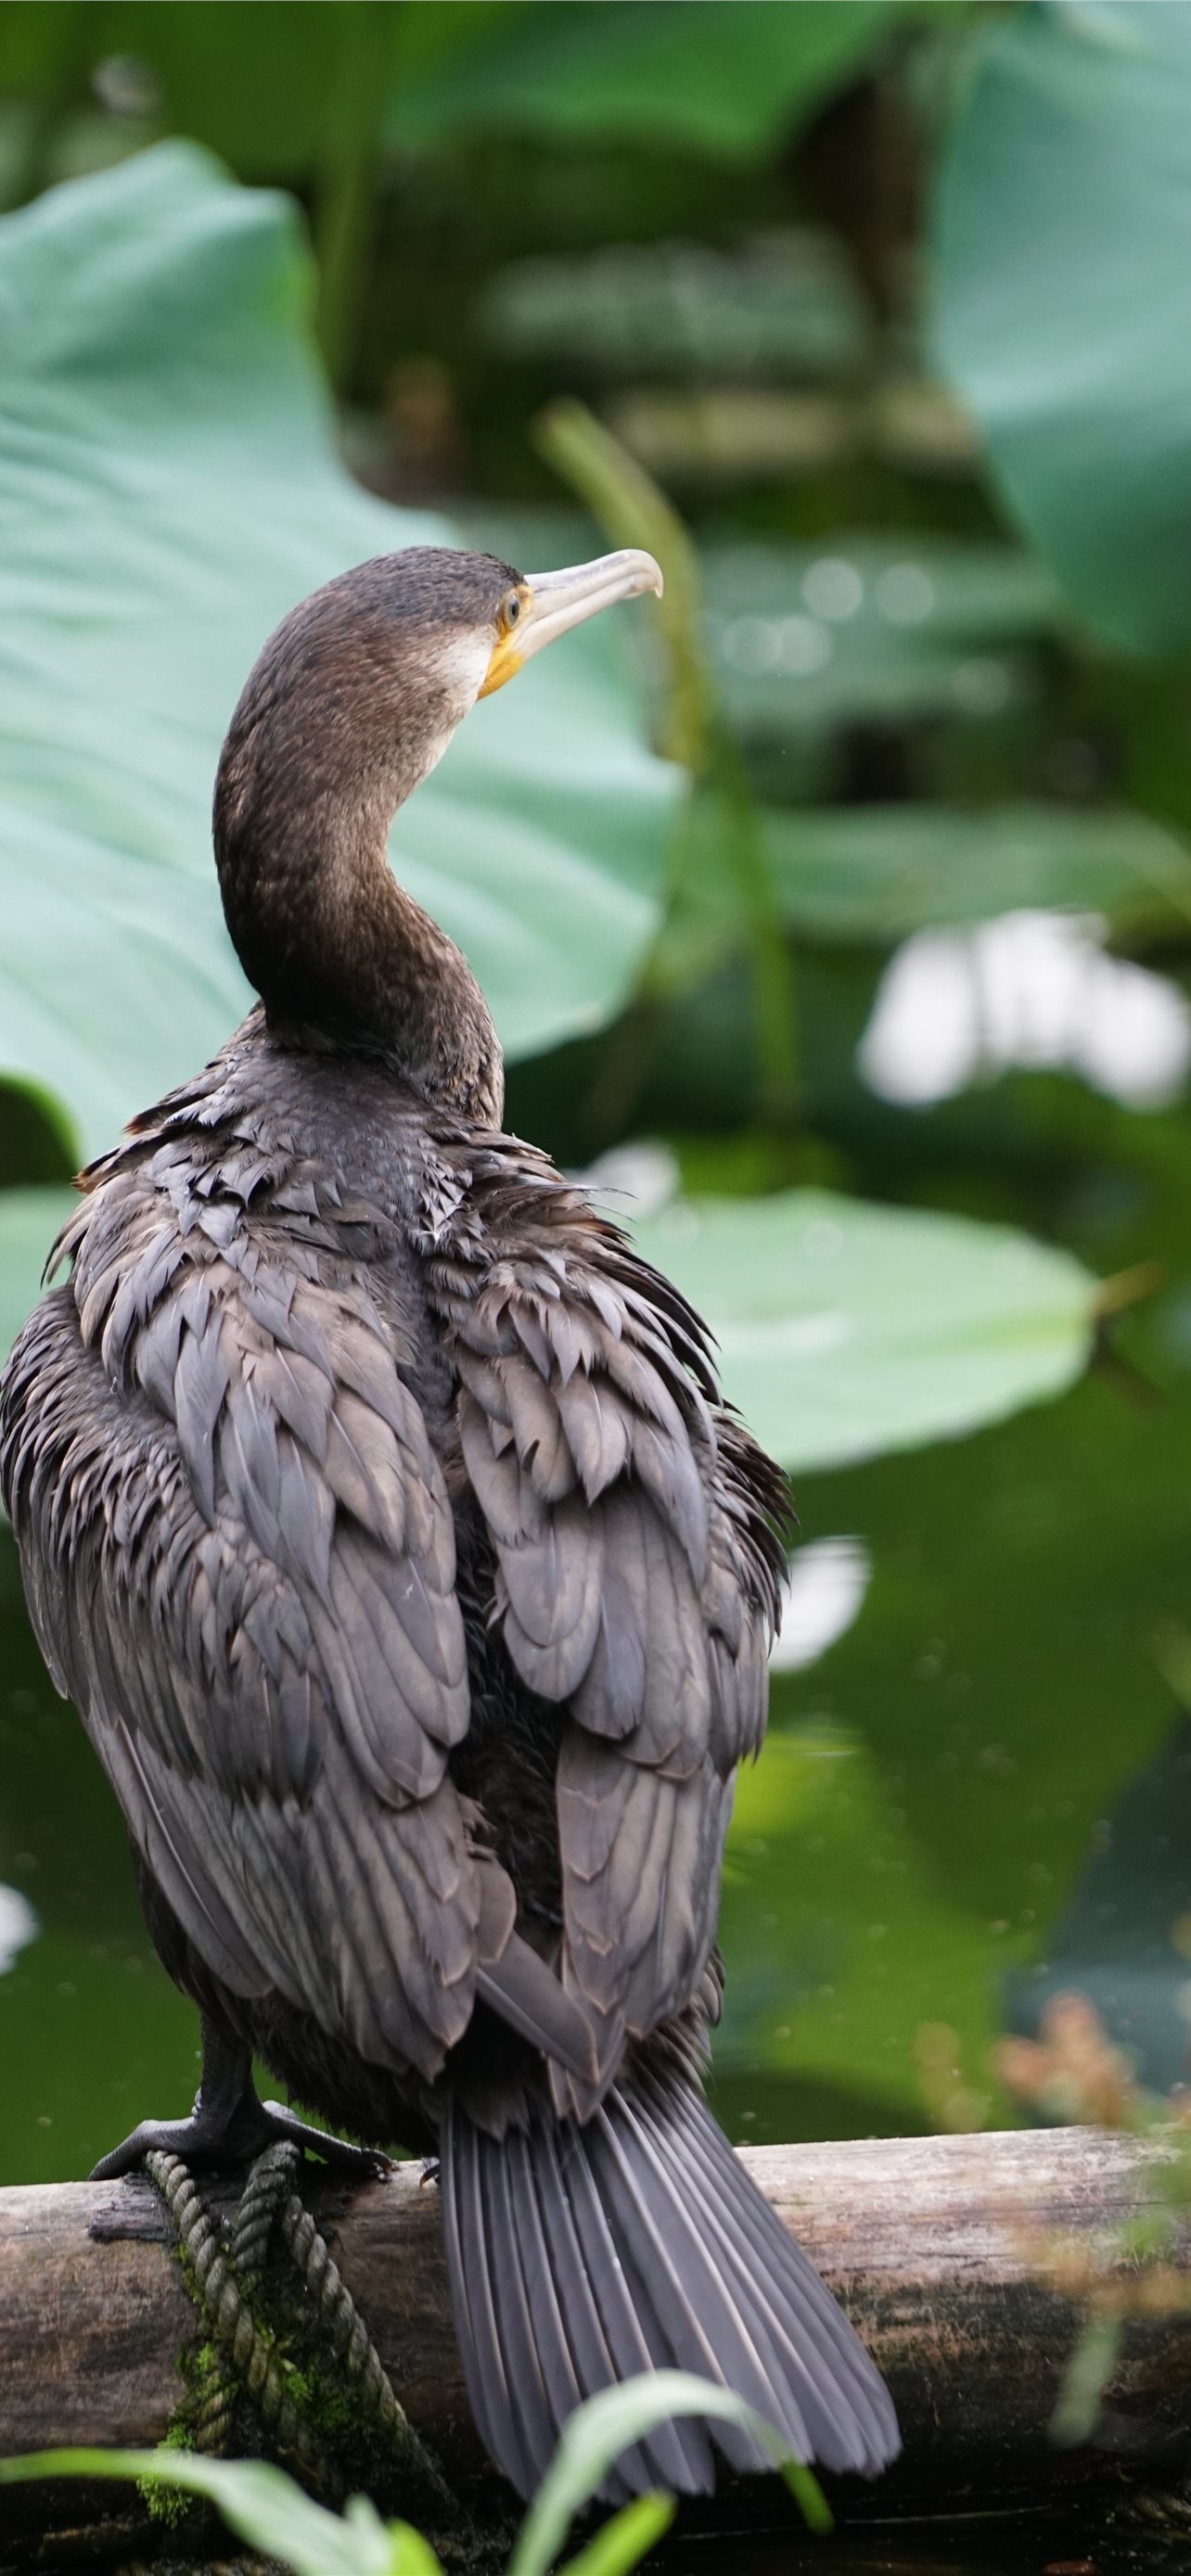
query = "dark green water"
{"x": 1000, "y": 2545}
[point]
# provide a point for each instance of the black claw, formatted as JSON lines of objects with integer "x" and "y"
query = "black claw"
{"x": 170, "y": 2137}
{"x": 253, "y": 2126}
{"x": 367, "y": 2162}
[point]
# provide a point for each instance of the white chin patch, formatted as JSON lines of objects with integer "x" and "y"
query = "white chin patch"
{"x": 464, "y": 668}
{"x": 461, "y": 668}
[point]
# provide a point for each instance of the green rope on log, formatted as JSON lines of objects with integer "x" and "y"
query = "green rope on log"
{"x": 225, "y": 2281}
{"x": 222, "y": 2282}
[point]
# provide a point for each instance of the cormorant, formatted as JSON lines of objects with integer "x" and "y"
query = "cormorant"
{"x": 377, "y": 1510}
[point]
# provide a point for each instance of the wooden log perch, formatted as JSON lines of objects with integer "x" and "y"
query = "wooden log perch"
{"x": 932, "y": 2243}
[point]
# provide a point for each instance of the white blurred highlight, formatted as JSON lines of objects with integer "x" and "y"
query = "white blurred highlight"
{"x": 18, "y": 1925}
{"x": 1030, "y": 989}
{"x": 825, "y": 1585}
{"x": 632, "y": 1180}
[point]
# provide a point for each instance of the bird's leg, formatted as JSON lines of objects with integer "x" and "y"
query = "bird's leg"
{"x": 229, "y": 2124}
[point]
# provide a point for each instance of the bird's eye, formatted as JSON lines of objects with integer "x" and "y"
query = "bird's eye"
{"x": 512, "y": 609}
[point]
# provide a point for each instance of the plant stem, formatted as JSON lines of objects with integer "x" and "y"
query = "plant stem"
{"x": 774, "y": 1002}
{"x": 77, "y": 42}
{"x": 347, "y": 182}
{"x": 634, "y": 511}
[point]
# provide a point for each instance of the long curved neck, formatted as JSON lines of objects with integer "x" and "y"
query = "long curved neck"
{"x": 343, "y": 958}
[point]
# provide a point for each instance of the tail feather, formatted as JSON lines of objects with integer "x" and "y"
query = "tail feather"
{"x": 519, "y": 2323}
{"x": 581, "y": 2255}
{"x": 475, "y": 2287}
{"x": 604, "y": 2333}
{"x": 817, "y": 2350}
{"x": 564, "y": 2373}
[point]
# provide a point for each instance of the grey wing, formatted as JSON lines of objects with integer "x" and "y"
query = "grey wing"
{"x": 239, "y": 1556}
{"x": 635, "y": 1530}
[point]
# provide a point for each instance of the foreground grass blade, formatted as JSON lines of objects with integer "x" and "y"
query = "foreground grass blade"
{"x": 261, "y": 2505}
{"x": 264, "y": 2507}
{"x": 597, "y": 2433}
{"x": 626, "y": 2540}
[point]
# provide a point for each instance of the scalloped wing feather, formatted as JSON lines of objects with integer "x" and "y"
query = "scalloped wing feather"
{"x": 636, "y": 1532}
{"x": 240, "y": 1560}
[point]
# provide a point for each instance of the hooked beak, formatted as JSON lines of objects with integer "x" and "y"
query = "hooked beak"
{"x": 551, "y": 602}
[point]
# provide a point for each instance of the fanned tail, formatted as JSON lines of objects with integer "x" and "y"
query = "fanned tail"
{"x": 579, "y": 2256}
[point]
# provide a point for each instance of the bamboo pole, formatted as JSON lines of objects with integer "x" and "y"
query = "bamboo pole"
{"x": 932, "y": 2243}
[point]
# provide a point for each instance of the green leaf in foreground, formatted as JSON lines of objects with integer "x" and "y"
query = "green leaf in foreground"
{"x": 1070, "y": 168}
{"x": 626, "y": 2539}
{"x": 259, "y": 2503}
{"x": 265, "y": 2507}
{"x": 168, "y": 488}
{"x": 597, "y": 2433}
{"x": 846, "y": 1330}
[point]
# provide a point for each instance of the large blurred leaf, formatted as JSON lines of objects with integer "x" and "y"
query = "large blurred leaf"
{"x": 254, "y": 84}
{"x": 167, "y": 489}
{"x": 732, "y": 77}
{"x": 1064, "y": 229}
{"x": 29, "y": 1221}
{"x": 261, "y": 85}
{"x": 879, "y": 873}
{"x": 846, "y": 1330}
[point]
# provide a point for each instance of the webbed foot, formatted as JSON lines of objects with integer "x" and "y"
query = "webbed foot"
{"x": 230, "y": 2124}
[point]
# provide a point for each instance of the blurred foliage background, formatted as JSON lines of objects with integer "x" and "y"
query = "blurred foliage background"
{"x": 840, "y": 921}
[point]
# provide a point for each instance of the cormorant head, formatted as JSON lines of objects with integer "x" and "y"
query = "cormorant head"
{"x": 364, "y": 683}
{"x": 354, "y": 698}
{"x": 534, "y": 608}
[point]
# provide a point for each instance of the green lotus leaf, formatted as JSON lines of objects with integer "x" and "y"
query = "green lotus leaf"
{"x": 729, "y": 81}
{"x": 1062, "y": 222}
{"x": 845, "y": 1330}
{"x": 168, "y": 488}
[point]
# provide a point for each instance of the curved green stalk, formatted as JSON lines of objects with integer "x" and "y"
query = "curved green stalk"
{"x": 634, "y": 511}
{"x": 347, "y": 179}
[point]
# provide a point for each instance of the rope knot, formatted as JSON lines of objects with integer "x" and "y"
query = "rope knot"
{"x": 226, "y": 2273}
